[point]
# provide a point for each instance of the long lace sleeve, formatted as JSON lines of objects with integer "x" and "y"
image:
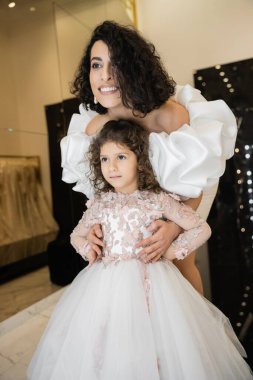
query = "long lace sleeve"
{"x": 78, "y": 237}
{"x": 196, "y": 230}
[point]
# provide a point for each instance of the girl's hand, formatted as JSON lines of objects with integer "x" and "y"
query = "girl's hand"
{"x": 157, "y": 244}
{"x": 95, "y": 237}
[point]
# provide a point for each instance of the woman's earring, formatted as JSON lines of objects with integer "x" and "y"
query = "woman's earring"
{"x": 95, "y": 100}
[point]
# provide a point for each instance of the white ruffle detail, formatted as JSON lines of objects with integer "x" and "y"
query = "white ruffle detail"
{"x": 185, "y": 162}
{"x": 192, "y": 159}
{"x": 74, "y": 147}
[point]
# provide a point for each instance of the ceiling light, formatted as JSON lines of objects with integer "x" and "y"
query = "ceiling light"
{"x": 11, "y": 4}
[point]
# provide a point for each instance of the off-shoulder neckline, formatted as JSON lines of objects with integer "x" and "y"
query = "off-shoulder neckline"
{"x": 183, "y": 96}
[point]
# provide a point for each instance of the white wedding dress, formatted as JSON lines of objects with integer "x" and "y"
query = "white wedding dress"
{"x": 185, "y": 161}
{"x": 122, "y": 319}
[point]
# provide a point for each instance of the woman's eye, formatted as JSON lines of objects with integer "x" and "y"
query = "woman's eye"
{"x": 96, "y": 65}
{"x": 104, "y": 159}
{"x": 121, "y": 157}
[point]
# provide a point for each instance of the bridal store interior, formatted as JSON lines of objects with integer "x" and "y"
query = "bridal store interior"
{"x": 205, "y": 44}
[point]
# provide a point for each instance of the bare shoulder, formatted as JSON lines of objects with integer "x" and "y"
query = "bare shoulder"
{"x": 171, "y": 116}
{"x": 96, "y": 124}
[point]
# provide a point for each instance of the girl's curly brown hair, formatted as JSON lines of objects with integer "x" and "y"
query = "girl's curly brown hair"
{"x": 136, "y": 138}
{"x": 144, "y": 83}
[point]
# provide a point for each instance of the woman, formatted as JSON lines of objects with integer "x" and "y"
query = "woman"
{"x": 121, "y": 77}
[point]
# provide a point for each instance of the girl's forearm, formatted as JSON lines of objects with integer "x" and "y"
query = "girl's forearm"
{"x": 194, "y": 204}
{"x": 189, "y": 241}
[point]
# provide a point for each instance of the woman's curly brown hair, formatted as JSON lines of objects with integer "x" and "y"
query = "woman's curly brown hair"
{"x": 136, "y": 138}
{"x": 144, "y": 83}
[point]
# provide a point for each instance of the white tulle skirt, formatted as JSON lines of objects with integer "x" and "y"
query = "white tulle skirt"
{"x": 131, "y": 321}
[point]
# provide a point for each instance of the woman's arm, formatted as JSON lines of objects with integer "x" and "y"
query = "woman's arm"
{"x": 193, "y": 202}
{"x": 171, "y": 116}
{"x": 96, "y": 124}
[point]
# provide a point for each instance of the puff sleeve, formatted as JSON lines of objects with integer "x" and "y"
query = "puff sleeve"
{"x": 192, "y": 158}
{"x": 186, "y": 161}
{"x": 74, "y": 147}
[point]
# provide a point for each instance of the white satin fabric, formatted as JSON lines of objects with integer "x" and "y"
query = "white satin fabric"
{"x": 74, "y": 146}
{"x": 185, "y": 162}
{"x": 194, "y": 157}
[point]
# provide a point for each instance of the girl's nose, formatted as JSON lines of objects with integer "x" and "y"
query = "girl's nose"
{"x": 112, "y": 166}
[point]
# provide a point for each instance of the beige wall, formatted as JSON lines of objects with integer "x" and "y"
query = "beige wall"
{"x": 9, "y": 144}
{"x": 193, "y": 34}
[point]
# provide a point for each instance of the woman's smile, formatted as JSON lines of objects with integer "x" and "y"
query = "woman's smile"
{"x": 108, "y": 90}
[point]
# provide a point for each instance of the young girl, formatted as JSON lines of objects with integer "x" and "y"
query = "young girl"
{"x": 121, "y": 77}
{"x": 123, "y": 318}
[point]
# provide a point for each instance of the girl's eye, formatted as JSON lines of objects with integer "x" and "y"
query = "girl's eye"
{"x": 104, "y": 159}
{"x": 121, "y": 157}
{"x": 96, "y": 65}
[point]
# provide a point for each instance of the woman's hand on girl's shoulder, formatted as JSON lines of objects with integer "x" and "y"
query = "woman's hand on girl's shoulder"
{"x": 96, "y": 124}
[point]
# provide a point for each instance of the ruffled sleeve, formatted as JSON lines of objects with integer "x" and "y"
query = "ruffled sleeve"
{"x": 193, "y": 158}
{"x": 74, "y": 147}
{"x": 185, "y": 162}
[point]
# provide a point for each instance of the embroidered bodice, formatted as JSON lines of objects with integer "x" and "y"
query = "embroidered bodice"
{"x": 124, "y": 219}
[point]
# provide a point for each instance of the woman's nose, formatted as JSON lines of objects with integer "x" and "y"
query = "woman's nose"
{"x": 107, "y": 73}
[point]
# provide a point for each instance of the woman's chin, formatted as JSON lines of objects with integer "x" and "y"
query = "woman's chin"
{"x": 109, "y": 102}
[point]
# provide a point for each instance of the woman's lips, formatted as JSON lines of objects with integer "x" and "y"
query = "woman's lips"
{"x": 108, "y": 89}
